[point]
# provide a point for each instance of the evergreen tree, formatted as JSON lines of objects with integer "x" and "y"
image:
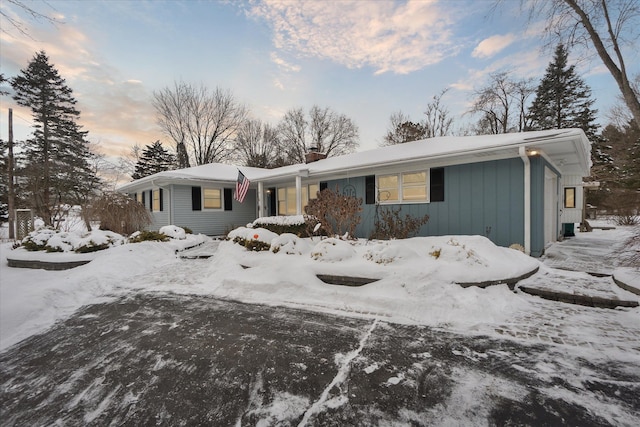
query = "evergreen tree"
{"x": 155, "y": 158}
{"x": 58, "y": 165}
{"x": 563, "y": 99}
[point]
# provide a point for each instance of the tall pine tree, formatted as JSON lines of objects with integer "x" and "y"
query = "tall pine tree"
{"x": 155, "y": 158}
{"x": 563, "y": 99}
{"x": 58, "y": 160}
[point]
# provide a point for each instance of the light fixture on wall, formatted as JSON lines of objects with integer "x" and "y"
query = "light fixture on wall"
{"x": 532, "y": 152}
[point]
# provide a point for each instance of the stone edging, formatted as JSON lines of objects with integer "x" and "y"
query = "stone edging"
{"x": 345, "y": 280}
{"x": 509, "y": 282}
{"x": 625, "y": 286}
{"x": 578, "y": 299}
{"x": 46, "y": 265}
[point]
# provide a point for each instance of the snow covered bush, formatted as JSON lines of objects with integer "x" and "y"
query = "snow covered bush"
{"x": 173, "y": 232}
{"x": 289, "y": 244}
{"x": 300, "y": 225}
{"x": 50, "y": 240}
{"x": 148, "y": 236}
{"x": 384, "y": 253}
{"x": 332, "y": 249}
{"x": 254, "y": 239}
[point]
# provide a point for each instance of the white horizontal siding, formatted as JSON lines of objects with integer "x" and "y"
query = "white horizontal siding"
{"x": 211, "y": 222}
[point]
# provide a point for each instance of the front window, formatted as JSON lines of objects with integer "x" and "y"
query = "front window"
{"x": 388, "y": 188}
{"x": 287, "y": 198}
{"x": 212, "y": 198}
{"x": 414, "y": 187}
{"x": 403, "y": 187}
{"x": 156, "y": 200}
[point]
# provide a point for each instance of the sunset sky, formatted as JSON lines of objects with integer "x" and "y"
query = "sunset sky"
{"x": 366, "y": 59}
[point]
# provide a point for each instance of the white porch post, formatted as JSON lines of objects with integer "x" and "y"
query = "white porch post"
{"x": 260, "y": 199}
{"x": 527, "y": 199}
{"x": 298, "y": 195}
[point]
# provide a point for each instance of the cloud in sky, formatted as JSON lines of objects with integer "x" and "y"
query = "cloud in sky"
{"x": 387, "y": 36}
{"x": 116, "y": 111}
{"x": 492, "y": 45}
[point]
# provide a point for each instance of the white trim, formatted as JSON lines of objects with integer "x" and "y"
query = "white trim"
{"x": 527, "y": 199}
{"x": 299, "y": 195}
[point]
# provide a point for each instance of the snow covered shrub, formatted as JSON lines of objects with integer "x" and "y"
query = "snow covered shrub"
{"x": 117, "y": 212}
{"x": 300, "y": 225}
{"x": 37, "y": 240}
{"x": 254, "y": 239}
{"x": 173, "y": 232}
{"x": 146, "y": 236}
{"x": 289, "y": 244}
{"x": 338, "y": 214}
{"x": 391, "y": 226}
{"x": 51, "y": 240}
{"x": 332, "y": 249}
{"x": 386, "y": 253}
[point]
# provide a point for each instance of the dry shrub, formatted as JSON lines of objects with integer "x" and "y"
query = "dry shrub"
{"x": 390, "y": 225}
{"x": 625, "y": 206}
{"x": 117, "y": 212}
{"x": 338, "y": 214}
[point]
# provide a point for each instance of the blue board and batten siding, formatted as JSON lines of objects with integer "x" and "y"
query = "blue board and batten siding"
{"x": 484, "y": 199}
{"x": 211, "y": 222}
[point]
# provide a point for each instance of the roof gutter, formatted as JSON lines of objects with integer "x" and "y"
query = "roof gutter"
{"x": 527, "y": 199}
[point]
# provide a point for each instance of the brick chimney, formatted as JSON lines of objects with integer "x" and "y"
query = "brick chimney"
{"x": 313, "y": 155}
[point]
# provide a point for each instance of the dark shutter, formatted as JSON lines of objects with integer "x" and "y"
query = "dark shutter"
{"x": 228, "y": 199}
{"x": 273, "y": 201}
{"x": 151, "y": 200}
{"x": 135, "y": 196}
{"x": 161, "y": 200}
{"x": 436, "y": 184}
{"x": 370, "y": 189}
{"x": 323, "y": 186}
{"x": 144, "y": 199}
{"x": 196, "y": 198}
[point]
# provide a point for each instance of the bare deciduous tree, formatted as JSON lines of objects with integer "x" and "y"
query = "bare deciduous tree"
{"x": 201, "y": 123}
{"x": 258, "y": 145}
{"x": 502, "y": 103}
{"x": 33, "y": 14}
{"x": 437, "y": 120}
{"x": 329, "y": 132}
{"x": 604, "y": 25}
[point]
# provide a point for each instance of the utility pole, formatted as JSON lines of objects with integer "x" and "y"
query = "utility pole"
{"x": 11, "y": 201}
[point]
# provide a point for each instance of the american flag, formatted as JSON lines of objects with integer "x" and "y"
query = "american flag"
{"x": 242, "y": 186}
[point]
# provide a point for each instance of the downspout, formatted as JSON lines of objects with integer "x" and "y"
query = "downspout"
{"x": 527, "y": 199}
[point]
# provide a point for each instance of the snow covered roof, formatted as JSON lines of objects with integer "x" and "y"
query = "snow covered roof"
{"x": 567, "y": 149}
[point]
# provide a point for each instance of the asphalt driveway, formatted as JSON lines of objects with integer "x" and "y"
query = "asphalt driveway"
{"x": 164, "y": 359}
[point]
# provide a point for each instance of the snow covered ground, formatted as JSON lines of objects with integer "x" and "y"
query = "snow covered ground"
{"x": 416, "y": 286}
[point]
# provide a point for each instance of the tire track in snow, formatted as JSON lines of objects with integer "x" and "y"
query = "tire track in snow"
{"x": 340, "y": 377}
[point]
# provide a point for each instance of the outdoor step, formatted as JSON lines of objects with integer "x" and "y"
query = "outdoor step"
{"x": 590, "y": 301}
